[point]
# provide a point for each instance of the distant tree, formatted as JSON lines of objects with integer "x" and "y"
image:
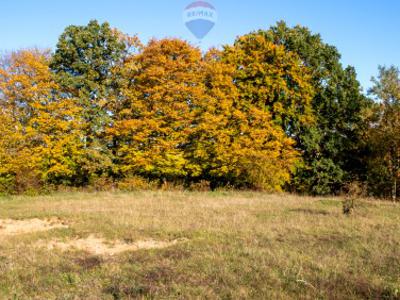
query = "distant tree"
{"x": 384, "y": 135}
{"x": 331, "y": 148}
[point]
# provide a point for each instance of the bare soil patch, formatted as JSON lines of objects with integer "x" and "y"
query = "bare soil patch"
{"x": 14, "y": 227}
{"x": 100, "y": 246}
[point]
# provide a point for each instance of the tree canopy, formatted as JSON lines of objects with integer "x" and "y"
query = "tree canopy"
{"x": 275, "y": 111}
{"x": 331, "y": 146}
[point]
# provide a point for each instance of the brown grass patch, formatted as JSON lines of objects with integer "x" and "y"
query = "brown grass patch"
{"x": 100, "y": 246}
{"x": 14, "y": 227}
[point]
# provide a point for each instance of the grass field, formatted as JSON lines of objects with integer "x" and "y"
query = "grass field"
{"x": 230, "y": 245}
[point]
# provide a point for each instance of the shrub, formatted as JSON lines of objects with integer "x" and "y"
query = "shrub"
{"x": 200, "y": 186}
{"x": 135, "y": 183}
{"x": 7, "y": 184}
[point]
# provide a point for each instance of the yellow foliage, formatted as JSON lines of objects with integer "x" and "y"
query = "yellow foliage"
{"x": 43, "y": 128}
{"x": 181, "y": 116}
{"x": 175, "y": 116}
{"x": 154, "y": 117}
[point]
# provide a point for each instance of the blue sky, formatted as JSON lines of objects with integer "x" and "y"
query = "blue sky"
{"x": 365, "y": 32}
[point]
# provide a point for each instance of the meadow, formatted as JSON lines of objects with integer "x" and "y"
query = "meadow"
{"x": 184, "y": 245}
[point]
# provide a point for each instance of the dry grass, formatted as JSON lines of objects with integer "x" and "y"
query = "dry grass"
{"x": 99, "y": 246}
{"x": 15, "y": 227}
{"x": 237, "y": 245}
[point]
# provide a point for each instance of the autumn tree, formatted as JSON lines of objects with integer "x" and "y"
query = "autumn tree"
{"x": 272, "y": 79}
{"x": 384, "y": 134}
{"x": 154, "y": 114}
{"x": 234, "y": 142}
{"x": 12, "y": 153}
{"x": 24, "y": 83}
{"x": 332, "y": 148}
{"x": 41, "y": 131}
{"x": 180, "y": 117}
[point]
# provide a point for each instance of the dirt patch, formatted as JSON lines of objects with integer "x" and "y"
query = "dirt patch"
{"x": 100, "y": 246}
{"x": 14, "y": 227}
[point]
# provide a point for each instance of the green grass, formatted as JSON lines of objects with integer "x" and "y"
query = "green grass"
{"x": 239, "y": 245}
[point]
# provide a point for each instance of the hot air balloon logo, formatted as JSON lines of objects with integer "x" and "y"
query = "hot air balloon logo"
{"x": 200, "y": 17}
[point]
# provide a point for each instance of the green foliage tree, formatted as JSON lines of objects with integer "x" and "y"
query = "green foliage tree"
{"x": 83, "y": 63}
{"x": 332, "y": 146}
{"x": 384, "y": 134}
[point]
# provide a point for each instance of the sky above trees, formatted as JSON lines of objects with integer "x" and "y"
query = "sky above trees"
{"x": 365, "y": 32}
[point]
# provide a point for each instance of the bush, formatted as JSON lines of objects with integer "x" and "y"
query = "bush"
{"x": 27, "y": 181}
{"x": 201, "y": 186}
{"x": 135, "y": 183}
{"x": 7, "y": 184}
{"x": 102, "y": 183}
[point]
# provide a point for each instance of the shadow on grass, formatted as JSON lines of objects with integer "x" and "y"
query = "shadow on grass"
{"x": 310, "y": 211}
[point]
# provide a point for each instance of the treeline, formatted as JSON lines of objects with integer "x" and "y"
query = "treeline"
{"x": 274, "y": 111}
